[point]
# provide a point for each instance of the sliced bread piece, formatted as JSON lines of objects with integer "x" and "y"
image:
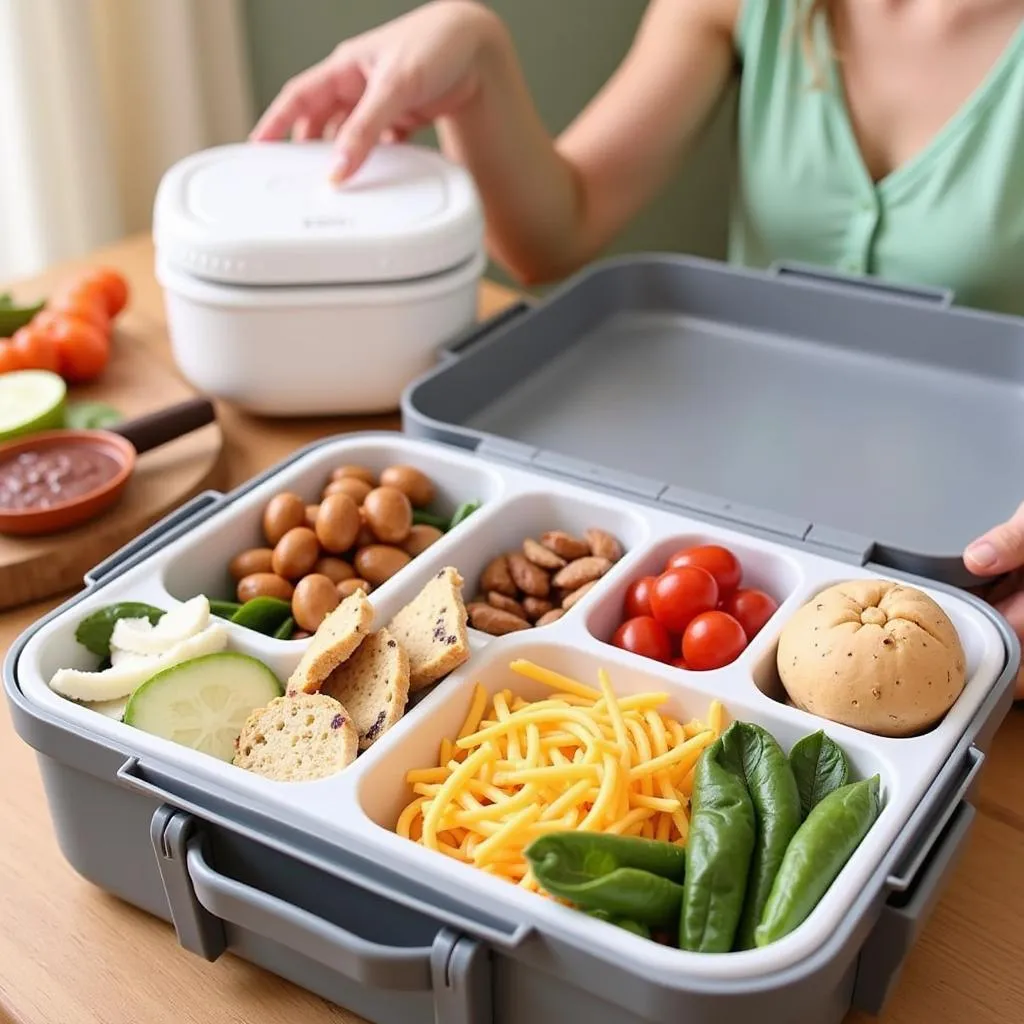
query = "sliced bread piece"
{"x": 334, "y": 642}
{"x": 373, "y": 684}
{"x": 432, "y": 630}
{"x": 298, "y": 739}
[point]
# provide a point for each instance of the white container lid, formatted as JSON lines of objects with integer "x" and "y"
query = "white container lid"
{"x": 267, "y": 214}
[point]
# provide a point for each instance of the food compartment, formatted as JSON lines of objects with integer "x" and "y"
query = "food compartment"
{"x": 350, "y": 516}
{"x": 557, "y": 771}
{"x": 698, "y": 594}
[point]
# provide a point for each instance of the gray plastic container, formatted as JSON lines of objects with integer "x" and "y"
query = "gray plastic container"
{"x": 605, "y": 385}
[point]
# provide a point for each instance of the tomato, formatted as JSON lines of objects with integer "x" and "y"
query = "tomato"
{"x": 719, "y": 561}
{"x": 680, "y": 595}
{"x": 35, "y": 349}
{"x": 638, "y": 597}
{"x": 751, "y": 608}
{"x": 712, "y": 640}
{"x": 9, "y": 360}
{"x": 87, "y": 303}
{"x": 644, "y": 636}
{"x": 84, "y": 350}
{"x": 112, "y": 286}
{"x": 680, "y": 663}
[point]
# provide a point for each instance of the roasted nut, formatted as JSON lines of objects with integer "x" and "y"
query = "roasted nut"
{"x": 296, "y": 553}
{"x": 264, "y": 584}
{"x": 529, "y": 578}
{"x": 283, "y": 513}
{"x": 314, "y": 598}
{"x": 245, "y": 563}
{"x": 506, "y": 604}
{"x": 338, "y": 523}
{"x": 604, "y": 545}
{"x": 498, "y": 577}
{"x": 548, "y": 617}
{"x": 379, "y": 562}
{"x": 346, "y": 588}
{"x": 542, "y": 556}
{"x": 494, "y": 620}
{"x": 420, "y": 538}
{"x": 355, "y": 488}
{"x": 578, "y": 594}
{"x": 583, "y": 570}
{"x": 357, "y": 472}
{"x": 335, "y": 569}
{"x": 536, "y": 607}
{"x": 565, "y": 544}
{"x": 389, "y": 514}
{"x": 416, "y": 486}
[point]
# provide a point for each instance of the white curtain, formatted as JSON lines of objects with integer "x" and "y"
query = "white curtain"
{"x": 97, "y": 99}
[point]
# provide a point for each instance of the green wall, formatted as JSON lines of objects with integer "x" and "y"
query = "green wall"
{"x": 568, "y": 49}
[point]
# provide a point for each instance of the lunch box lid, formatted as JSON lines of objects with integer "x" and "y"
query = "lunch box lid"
{"x": 868, "y": 422}
{"x": 267, "y": 214}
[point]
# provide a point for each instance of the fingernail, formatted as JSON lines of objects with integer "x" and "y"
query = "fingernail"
{"x": 339, "y": 170}
{"x": 983, "y": 554}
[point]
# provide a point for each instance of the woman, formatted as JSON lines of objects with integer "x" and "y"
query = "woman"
{"x": 875, "y": 136}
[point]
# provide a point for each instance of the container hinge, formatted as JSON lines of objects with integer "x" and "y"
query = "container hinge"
{"x": 461, "y": 973}
{"x": 198, "y": 930}
{"x": 501, "y": 450}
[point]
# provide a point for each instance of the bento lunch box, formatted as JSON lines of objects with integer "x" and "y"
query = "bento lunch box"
{"x": 310, "y": 881}
{"x": 291, "y": 297}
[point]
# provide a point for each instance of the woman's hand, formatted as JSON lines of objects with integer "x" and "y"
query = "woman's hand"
{"x": 999, "y": 552}
{"x": 386, "y": 83}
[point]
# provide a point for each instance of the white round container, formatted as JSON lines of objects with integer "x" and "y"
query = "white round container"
{"x": 292, "y": 297}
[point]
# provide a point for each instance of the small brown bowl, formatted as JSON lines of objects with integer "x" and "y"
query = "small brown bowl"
{"x": 123, "y": 445}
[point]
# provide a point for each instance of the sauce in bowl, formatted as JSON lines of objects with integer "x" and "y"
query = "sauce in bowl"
{"x": 54, "y": 475}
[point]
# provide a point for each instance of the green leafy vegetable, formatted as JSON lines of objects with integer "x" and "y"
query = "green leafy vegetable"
{"x": 820, "y": 766}
{"x": 94, "y": 631}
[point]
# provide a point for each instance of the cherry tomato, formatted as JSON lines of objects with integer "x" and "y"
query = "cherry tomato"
{"x": 680, "y": 595}
{"x": 84, "y": 350}
{"x": 644, "y": 636}
{"x": 84, "y": 301}
{"x": 638, "y": 597}
{"x": 712, "y": 640}
{"x": 9, "y": 360}
{"x": 751, "y": 608}
{"x": 112, "y": 286}
{"x": 680, "y": 663}
{"x": 719, "y": 561}
{"x": 35, "y": 349}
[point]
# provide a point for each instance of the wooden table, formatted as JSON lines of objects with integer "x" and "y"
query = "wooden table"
{"x": 72, "y": 955}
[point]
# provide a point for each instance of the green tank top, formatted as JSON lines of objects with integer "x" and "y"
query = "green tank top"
{"x": 951, "y": 217}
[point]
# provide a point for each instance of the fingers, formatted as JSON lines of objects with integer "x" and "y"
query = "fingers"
{"x": 305, "y": 103}
{"x": 378, "y": 110}
{"x": 999, "y": 550}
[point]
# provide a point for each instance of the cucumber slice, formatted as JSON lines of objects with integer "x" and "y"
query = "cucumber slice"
{"x": 203, "y": 703}
{"x": 30, "y": 401}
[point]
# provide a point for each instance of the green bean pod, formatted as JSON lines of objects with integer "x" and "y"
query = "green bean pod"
{"x": 819, "y": 851}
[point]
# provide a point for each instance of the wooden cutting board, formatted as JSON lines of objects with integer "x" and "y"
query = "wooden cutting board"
{"x": 137, "y": 380}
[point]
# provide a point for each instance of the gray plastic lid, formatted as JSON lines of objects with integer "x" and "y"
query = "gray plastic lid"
{"x": 872, "y": 422}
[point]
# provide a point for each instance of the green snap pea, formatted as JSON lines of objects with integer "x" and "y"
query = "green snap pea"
{"x": 623, "y": 876}
{"x": 423, "y": 518}
{"x": 776, "y": 799}
{"x": 820, "y": 767}
{"x": 224, "y": 609}
{"x": 630, "y": 926}
{"x": 463, "y": 512}
{"x": 818, "y": 852}
{"x": 285, "y": 630}
{"x": 263, "y": 614}
{"x": 718, "y": 852}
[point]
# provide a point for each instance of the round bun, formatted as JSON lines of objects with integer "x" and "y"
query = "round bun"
{"x": 874, "y": 655}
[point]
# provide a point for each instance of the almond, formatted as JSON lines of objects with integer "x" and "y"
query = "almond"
{"x": 494, "y": 620}
{"x": 506, "y": 604}
{"x": 578, "y": 594}
{"x": 535, "y": 607}
{"x": 548, "y": 617}
{"x": 583, "y": 570}
{"x": 565, "y": 544}
{"x": 604, "y": 545}
{"x": 529, "y": 578}
{"x": 498, "y": 578}
{"x": 542, "y": 556}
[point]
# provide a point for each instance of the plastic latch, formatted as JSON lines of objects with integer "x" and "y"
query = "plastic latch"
{"x": 600, "y": 476}
{"x": 503, "y": 450}
{"x": 852, "y": 547}
{"x": 198, "y": 930}
{"x": 824, "y": 277}
{"x": 461, "y": 975}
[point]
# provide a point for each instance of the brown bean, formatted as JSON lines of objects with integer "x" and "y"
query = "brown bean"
{"x": 388, "y": 514}
{"x": 379, "y": 562}
{"x": 335, "y": 569}
{"x": 536, "y": 607}
{"x": 548, "y": 617}
{"x": 311, "y": 513}
{"x": 498, "y": 577}
{"x": 346, "y": 588}
{"x": 245, "y": 563}
{"x": 529, "y": 578}
{"x": 415, "y": 485}
{"x": 263, "y": 584}
{"x": 494, "y": 620}
{"x": 420, "y": 538}
{"x": 365, "y": 537}
{"x": 338, "y": 523}
{"x": 355, "y": 488}
{"x": 314, "y": 599}
{"x": 356, "y": 472}
{"x": 301, "y": 634}
{"x": 283, "y": 513}
{"x": 296, "y": 553}
{"x": 505, "y": 604}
